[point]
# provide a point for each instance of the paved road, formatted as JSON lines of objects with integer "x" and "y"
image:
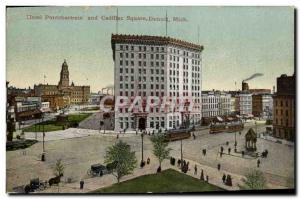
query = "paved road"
{"x": 85, "y": 148}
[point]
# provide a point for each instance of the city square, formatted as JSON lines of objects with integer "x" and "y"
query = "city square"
{"x": 86, "y": 147}
{"x": 134, "y": 108}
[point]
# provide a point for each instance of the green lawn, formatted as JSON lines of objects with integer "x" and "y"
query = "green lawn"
{"x": 168, "y": 181}
{"x": 54, "y": 125}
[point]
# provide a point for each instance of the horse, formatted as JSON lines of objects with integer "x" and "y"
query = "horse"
{"x": 55, "y": 180}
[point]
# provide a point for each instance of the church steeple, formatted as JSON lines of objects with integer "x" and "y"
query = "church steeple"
{"x": 64, "y": 75}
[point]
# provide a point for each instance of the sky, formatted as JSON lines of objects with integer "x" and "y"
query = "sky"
{"x": 238, "y": 42}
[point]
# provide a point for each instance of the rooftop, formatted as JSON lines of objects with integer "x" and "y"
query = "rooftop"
{"x": 155, "y": 40}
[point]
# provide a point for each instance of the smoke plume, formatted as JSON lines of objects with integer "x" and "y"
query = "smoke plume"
{"x": 253, "y": 76}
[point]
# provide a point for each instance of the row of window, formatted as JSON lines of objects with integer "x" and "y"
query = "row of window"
{"x": 185, "y": 53}
{"x": 142, "y": 48}
{"x": 144, "y": 71}
{"x": 142, "y": 56}
{"x": 158, "y": 49}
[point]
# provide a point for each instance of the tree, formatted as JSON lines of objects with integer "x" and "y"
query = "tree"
{"x": 255, "y": 180}
{"x": 124, "y": 161}
{"x": 160, "y": 149}
{"x": 59, "y": 168}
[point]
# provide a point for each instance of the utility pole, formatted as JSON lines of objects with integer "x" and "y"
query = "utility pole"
{"x": 117, "y": 21}
{"x": 166, "y": 23}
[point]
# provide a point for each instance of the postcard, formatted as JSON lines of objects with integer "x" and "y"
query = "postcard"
{"x": 150, "y": 100}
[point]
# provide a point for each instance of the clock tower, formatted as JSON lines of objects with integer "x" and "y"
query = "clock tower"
{"x": 64, "y": 75}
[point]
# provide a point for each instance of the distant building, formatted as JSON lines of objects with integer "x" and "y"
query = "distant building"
{"x": 284, "y": 108}
{"x": 215, "y": 103}
{"x": 245, "y": 87}
{"x": 243, "y": 103}
{"x": 63, "y": 92}
{"x": 262, "y": 105}
{"x": 156, "y": 66}
{"x": 95, "y": 98}
{"x": 233, "y": 104}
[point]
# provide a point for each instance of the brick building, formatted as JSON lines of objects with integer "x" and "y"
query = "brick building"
{"x": 284, "y": 108}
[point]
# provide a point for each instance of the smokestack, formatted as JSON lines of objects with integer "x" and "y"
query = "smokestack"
{"x": 245, "y": 86}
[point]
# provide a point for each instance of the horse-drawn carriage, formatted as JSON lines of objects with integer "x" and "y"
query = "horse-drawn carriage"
{"x": 97, "y": 170}
{"x": 35, "y": 184}
{"x": 100, "y": 170}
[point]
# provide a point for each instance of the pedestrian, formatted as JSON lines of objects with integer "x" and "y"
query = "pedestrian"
{"x": 178, "y": 162}
{"x": 243, "y": 153}
{"x": 202, "y": 175}
{"x": 219, "y": 167}
{"x": 206, "y": 178}
{"x": 258, "y": 163}
{"x": 194, "y": 136}
{"x": 136, "y": 132}
{"x": 195, "y": 170}
{"x": 229, "y": 150}
{"x": 117, "y": 136}
{"x": 81, "y": 184}
{"x": 148, "y": 160}
{"x": 224, "y": 178}
{"x": 227, "y": 143}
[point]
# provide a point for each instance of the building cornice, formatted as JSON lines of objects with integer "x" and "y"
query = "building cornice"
{"x": 152, "y": 40}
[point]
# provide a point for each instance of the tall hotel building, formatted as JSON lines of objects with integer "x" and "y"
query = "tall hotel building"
{"x": 156, "y": 66}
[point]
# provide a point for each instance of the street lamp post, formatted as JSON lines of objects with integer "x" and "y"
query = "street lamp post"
{"x": 142, "y": 161}
{"x": 43, "y": 154}
{"x": 35, "y": 131}
{"x": 181, "y": 155}
{"x": 235, "y": 142}
{"x": 256, "y": 127}
{"x": 103, "y": 126}
{"x": 100, "y": 126}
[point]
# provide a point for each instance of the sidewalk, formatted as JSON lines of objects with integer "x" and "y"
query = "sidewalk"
{"x": 91, "y": 184}
{"x": 70, "y": 133}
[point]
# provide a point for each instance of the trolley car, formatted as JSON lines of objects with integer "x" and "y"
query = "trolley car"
{"x": 178, "y": 134}
{"x": 217, "y": 128}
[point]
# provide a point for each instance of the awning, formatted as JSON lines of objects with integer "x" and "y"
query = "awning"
{"x": 219, "y": 119}
{"x": 29, "y": 113}
{"x": 45, "y": 110}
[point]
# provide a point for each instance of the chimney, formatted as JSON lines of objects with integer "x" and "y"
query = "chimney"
{"x": 245, "y": 86}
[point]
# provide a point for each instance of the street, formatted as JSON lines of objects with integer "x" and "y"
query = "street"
{"x": 80, "y": 148}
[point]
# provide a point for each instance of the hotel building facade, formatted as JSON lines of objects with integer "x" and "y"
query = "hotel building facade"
{"x": 156, "y": 66}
